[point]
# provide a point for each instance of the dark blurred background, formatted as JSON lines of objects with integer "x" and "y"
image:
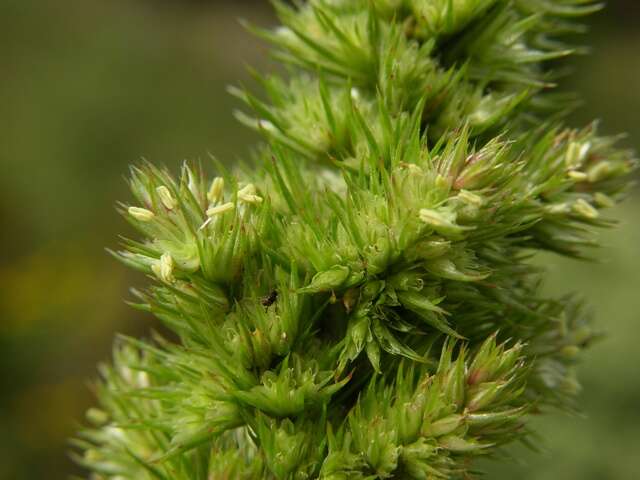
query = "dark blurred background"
{"x": 88, "y": 87}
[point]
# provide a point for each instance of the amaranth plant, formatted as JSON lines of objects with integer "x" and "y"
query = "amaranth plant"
{"x": 363, "y": 305}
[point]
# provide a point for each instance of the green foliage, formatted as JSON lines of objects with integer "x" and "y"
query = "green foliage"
{"x": 363, "y": 306}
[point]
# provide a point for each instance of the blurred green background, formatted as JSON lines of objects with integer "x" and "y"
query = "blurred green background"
{"x": 89, "y": 86}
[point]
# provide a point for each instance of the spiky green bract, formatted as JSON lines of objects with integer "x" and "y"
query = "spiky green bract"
{"x": 363, "y": 306}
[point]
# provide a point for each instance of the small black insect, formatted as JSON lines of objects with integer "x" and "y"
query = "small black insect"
{"x": 269, "y": 300}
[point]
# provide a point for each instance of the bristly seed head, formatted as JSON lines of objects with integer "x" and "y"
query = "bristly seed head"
{"x": 384, "y": 245}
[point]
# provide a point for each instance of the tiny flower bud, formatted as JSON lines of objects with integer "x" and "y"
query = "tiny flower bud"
{"x": 483, "y": 395}
{"x": 217, "y": 210}
{"x": 166, "y": 198}
{"x": 267, "y": 126}
{"x": 285, "y": 32}
{"x": 470, "y": 198}
{"x": 442, "y": 222}
{"x": 599, "y": 171}
{"x": 248, "y": 189}
{"x": 461, "y": 445}
{"x": 248, "y": 194}
{"x": 164, "y": 268}
{"x": 115, "y": 433}
{"x": 557, "y": 208}
{"x": 327, "y": 280}
{"x": 429, "y": 249}
{"x": 572, "y": 153}
{"x": 577, "y": 175}
{"x": 570, "y": 351}
{"x": 413, "y": 169}
{"x": 143, "y": 379}
{"x": 445, "y": 425}
{"x": 603, "y": 200}
{"x": 251, "y": 199}
{"x": 435, "y": 218}
{"x": 584, "y": 209}
{"x": 97, "y": 416}
{"x": 141, "y": 214}
{"x": 576, "y": 153}
{"x": 192, "y": 184}
{"x": 225, "y": 207}
{"x": 481, "y": 115}
{"x": 216, "y": 190}
{"x": 485, "y": 419}
{"x": 470, "y": 205}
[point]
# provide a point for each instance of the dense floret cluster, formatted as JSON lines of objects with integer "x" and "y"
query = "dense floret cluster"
{"x": 363, "y": 305}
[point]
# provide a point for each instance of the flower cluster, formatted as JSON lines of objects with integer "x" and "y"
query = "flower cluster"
{"x": 364, "y": 306}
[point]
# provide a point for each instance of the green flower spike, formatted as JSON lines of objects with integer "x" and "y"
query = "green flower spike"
{"x": 363, "y": 305}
